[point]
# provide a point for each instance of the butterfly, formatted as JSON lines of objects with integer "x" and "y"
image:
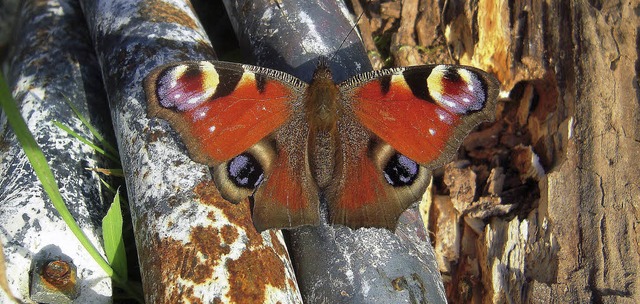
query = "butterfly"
{"x": 358, "y": 152}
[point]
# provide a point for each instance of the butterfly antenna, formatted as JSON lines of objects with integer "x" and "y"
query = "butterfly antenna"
{"x": 348, "y": 34}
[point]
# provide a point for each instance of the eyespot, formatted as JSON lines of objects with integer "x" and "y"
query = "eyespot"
{"x": 239, "y": 177}
{"x": 245, "y": 171}
{"x": 457, "y": 89}
{"x": 401, "y": 171}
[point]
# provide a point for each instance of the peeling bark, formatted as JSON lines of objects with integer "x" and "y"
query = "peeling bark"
{"x": 565, "y": 140}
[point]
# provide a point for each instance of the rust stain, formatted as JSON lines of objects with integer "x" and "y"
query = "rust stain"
{"x": 237, "y": 214}
{"x": 211, "y": 216}
{"x": 183, "y": 295}
{"x": 250, "y": 274}
{"x": 160, "y": 11}
{"x": 207, "y": 241}
{"x": 194, "y": 261}
{"x": 209, "y": 195}
{"x": 59, "y": 275}
{"x": 229, "y": 233}
{"x": 292, "y": 284}
{"x": 260, "y": 264}
{"x": 277, "y": 246}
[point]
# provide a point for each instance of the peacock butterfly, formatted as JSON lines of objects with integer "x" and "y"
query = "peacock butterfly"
{"x": 361, "y": 149}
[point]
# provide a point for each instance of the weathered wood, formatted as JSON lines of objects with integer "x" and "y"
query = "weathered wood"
{"x": 403, "y": 44}
{"x": 595, "y": 192}
{"x": 364, "y": 25}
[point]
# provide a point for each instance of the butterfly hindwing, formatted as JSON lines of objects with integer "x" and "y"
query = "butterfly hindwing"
{"x": 289, "y": 185}
{"x": 365, "y": 192}
{"x": 229, "y": 116}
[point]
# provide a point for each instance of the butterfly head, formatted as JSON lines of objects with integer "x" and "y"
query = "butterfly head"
{"x": 322, "y": 72}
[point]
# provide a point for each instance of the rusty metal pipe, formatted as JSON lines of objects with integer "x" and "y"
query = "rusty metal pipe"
{"x": 192, "y": 245}
{"x": 52, "y": 63}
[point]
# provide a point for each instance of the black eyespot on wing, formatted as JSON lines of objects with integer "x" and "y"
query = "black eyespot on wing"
{"x": 245, "y": 171}
{"x": 401, "y": 171}
{"x": 451, "y": 74}
{"x": 192, "y": 73}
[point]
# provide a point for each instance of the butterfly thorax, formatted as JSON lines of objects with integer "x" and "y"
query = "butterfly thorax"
{"x": 322, "y": 109}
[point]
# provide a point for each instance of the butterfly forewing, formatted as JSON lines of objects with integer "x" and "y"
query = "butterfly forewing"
{"x": 219, "y": 109}
{"x": 423, "y": 112}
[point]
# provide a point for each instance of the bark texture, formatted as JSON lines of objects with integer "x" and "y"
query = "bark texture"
{"x": 543, "y": 204}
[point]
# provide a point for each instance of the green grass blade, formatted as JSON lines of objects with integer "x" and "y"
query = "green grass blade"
{"x": 93, "y": 130}
{"x": 108, "y": 186}
{"x": 87, "y": 142}
{"x": 112, "y": 235}
{"x": 43, "y": 172}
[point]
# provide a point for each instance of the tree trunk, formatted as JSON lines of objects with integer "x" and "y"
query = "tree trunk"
{"x": 563, "y": 226}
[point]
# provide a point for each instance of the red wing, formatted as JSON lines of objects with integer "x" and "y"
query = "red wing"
{"x": 401, "y": 118}
{"x": 423, "y": 112}
{"x": 220, "y": 109}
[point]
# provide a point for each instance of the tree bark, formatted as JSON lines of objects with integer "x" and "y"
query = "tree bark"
{"x": 570, "y": 128}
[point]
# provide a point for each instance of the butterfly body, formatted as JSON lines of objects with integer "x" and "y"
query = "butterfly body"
{"x": 361, "y": 149}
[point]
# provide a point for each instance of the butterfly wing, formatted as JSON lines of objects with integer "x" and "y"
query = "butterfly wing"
{"x": 411, "y": 120}
{"x": 229, "y": 116}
